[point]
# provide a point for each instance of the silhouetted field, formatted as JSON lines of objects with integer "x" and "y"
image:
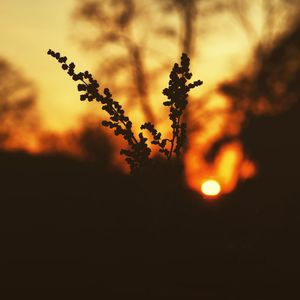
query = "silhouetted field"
{"x": 73, "y": 224}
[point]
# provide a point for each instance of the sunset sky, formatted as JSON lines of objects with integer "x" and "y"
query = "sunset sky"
{"x": 224, "y": 44}
{"x": 29, "y": 28}
{"x": 170, "y": 185}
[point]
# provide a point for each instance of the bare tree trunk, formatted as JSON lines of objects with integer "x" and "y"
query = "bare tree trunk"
{"x": 188, "y": 12}
{"x": 140, "y": 79}
{"x": 141, "y": 84}
{"x": 188, "y": 28}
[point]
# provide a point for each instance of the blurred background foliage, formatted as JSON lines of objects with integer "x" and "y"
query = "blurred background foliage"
{"x": 18, "y": 115}
{"x": 139, "y": 31}
{"x": 246, "y": 52}
{"x": 80, "y": 223}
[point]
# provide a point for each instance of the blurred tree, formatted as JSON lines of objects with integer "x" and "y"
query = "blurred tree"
{"x": 276, "y": 18}
{"x": 18, "y": 114}
{"x": 268, "y": 85}
{"x": 116, "y": 24}
{"x": 188, "y": 12}
{"x": 95, "y": 143}
{"x": 129, "y": 25}
{"x": 88, "y": 142}
{"x": 126, "y": 28}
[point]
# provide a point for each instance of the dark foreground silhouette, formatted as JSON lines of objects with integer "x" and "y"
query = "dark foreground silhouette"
{"x": 78, "y": 225}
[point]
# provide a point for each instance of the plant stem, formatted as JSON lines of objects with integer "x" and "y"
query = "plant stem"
{"x": 175, "y": 136}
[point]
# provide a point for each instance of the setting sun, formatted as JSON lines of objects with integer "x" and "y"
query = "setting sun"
{"x": 211, "y": 188}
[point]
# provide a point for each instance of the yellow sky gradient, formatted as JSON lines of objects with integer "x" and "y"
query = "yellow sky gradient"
{"x": 29, "y": 28}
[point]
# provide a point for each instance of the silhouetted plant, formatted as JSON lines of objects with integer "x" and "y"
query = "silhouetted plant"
{"x": 139, "y": 152}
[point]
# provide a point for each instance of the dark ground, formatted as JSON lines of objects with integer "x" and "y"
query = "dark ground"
{"x": 75, "y": 225}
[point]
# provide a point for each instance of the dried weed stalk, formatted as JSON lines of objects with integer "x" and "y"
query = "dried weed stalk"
{"x": 138, "y": 153}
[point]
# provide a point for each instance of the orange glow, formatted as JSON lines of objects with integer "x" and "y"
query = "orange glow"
{"x": 247, "y": 170}
{"x": 228, "y": 168}
{"x": 59, "y": 103}
{"x": 211, "y": 188}
{"x": 227, "y": 165}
